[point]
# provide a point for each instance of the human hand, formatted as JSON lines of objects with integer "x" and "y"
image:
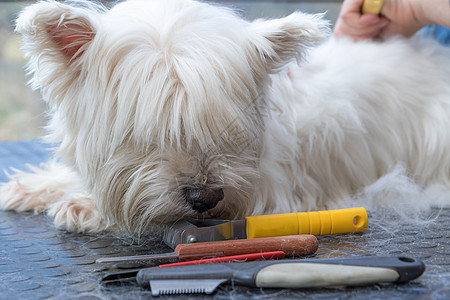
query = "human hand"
{"x": 398, "y": 17}
{"x": 353, "y": 23}
{"x": 405, "y": 17}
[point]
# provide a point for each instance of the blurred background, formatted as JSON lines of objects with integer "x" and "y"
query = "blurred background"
{"x": 22, "y": 111}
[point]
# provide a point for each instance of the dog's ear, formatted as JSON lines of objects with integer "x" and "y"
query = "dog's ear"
{"x": 277, "y": 42}
{"x": 57, "y": 31}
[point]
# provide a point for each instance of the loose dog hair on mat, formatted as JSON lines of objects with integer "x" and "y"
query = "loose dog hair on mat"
{"x": 168, "y": 109}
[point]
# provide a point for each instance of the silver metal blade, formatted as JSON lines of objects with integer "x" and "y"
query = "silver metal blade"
{"x": 184, "y": 286}
{"x": 137, "y": 257}
{"x": 204, "y": 231}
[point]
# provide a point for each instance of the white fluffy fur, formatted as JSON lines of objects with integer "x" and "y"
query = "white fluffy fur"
{"x": 151, "y": 97}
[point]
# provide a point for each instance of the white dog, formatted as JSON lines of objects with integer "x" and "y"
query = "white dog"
{"x": 174, "y": 108}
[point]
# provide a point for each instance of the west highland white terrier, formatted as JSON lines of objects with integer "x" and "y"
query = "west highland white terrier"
{"x": 174, "y": 108}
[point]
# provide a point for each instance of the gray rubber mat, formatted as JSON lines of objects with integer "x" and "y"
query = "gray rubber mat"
{"x": 38, "y": 261}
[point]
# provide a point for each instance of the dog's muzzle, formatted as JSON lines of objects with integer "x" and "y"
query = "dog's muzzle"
{"x": 202, "y": 199}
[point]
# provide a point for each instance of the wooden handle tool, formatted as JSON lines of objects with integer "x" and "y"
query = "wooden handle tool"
{"x": 290, "y": 245}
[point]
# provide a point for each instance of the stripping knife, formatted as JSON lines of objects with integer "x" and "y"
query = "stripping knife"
{"x": 339, "y": 221}
{"x": 290, "y": 245}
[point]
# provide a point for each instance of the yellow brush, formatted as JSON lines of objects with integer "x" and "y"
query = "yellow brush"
{"x": 372, "y": 6}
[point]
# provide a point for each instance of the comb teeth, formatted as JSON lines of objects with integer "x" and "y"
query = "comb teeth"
{"x": 182, "y": 291}
{"x": 184, "y": 286}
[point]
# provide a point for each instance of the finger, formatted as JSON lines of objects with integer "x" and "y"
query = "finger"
{"x": 361, "y": 21}
{"x": 368, "y": 19}
{"x": 350, "y": 11}
{"x": 352, "y": 23}
{"x": 374, "y": 25}
{"x": 353, "y": 6}
{"x": 370, "y": 36}
{"x": 358, "y": 32}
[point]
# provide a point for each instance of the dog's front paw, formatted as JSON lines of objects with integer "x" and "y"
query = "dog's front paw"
{"x": 17, "y": 196}
{"x": 77, "y": 215}
{"x": 36, "y": 190}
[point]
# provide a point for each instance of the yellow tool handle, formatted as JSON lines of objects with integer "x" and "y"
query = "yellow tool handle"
{"x": 372, "y": 6}
{"x": 324, "y": 222}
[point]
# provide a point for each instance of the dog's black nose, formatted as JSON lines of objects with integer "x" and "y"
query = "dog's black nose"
{"x": 202, "y": 199}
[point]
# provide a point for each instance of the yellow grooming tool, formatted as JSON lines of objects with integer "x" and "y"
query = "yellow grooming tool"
{"x": 372, "y": 6}
{"x": 316, "y": 223}
{"x": 339, "y": 221}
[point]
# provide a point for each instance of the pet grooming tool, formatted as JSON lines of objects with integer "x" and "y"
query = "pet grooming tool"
{"x": 299, "y": 273}
{"x": 372, "y": 6}
{"x": 234, "y": 258}
{"x": 290, "y": 245}
{"x": 327, "y": 222}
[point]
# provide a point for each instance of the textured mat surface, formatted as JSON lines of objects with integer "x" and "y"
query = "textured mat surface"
{"x": 39, "y": 262}
{"x": 18, "y": 154}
